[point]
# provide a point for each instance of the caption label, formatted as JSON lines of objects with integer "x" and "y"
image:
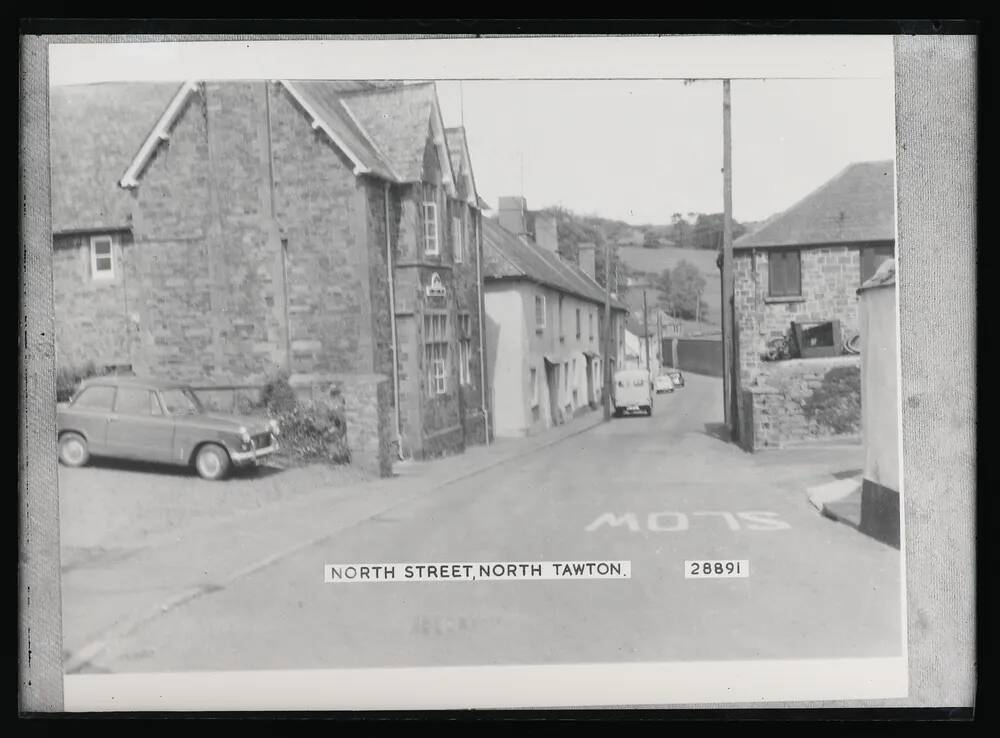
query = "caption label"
{"x": 466, "y": 571}
{"x": 716, "y": 568}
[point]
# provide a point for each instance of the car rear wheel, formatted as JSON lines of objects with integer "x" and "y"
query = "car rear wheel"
{"x": 73, "y": 449}
{"x": 649, "y": 409}
{"x": 212, "y": 462}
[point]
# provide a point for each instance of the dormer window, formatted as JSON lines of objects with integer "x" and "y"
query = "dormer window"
{"x": 431, "y": 245}
{"x": 102, "y": 258}
{"x": 457, "y": 240}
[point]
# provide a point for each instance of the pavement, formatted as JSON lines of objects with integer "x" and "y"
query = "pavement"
{"x": 246, "y": 591}
{"x": 839, "y": 500}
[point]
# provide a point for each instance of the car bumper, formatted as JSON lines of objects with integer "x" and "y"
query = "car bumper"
{"x": 253, "y": 456}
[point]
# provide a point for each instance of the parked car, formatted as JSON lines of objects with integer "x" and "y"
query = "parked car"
{"x": 633, "y": 392}
{"x": 159, "y": 421}
{"x": 677, "y": 378}
{"x": 663, "y": 383}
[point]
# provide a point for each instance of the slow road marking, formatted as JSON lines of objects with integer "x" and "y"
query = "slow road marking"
{"x": 678, "y": 522}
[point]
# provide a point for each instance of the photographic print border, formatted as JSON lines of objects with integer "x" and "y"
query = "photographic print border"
{"x": 936, "y": 165}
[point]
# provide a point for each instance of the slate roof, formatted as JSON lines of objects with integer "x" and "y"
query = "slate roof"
{"x": 857, "y": 205}
{"x": 458, "y": 151}
{"x": 94, "y": 131}
{"x": 327, "y": 97}
{"x": 505, "y": 256}
{"x": 398, "y": 119}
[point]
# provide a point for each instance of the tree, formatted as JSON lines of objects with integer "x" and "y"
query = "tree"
{"x": 619, "y": 270}
{"x": 707, "y": 231}
{"x": 687, "y": 284}
{"x": 650, "y": 240}
{"x": 680, "y": 230}
{"x": 664, "y": 287}
{"x": 680, "y": 290}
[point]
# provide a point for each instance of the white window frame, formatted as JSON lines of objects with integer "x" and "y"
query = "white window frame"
{"x": 540, "y": 301}
{"x": 533, "y": 379}
{"x": 102, "y": 274}
{"x": 432, "y": 241}
{"x": 436, "y": 352}
{"x": 465, "y": 361}
{"x": 458, "y": 238}
{"x": 465, "y": 348}
{"x": 440, "y": 376}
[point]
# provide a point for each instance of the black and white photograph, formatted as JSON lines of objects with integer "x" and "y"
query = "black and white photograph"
{"x": 453, "y": 373}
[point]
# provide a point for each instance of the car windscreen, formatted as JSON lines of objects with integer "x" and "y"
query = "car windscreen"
{"x": 180, "y": 402}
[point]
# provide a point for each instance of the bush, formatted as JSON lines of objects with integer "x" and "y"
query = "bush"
{"x": 277, "y": 394}
{"x": 836, "y": 403}
{"x": 68, "y": 379}
{"x": 313, "y": 433}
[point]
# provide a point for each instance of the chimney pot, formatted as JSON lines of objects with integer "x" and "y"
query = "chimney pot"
{"x": 547, "y": 232}
{"x": 513, "y": 215}
{"x": 586, "y": 252}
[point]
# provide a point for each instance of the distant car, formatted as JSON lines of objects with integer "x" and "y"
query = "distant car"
{"x": 663, "y": 383}
{"x": 677, "y": 378}
{"x": 633, "y": 392}
{"x": 153, "y": 420}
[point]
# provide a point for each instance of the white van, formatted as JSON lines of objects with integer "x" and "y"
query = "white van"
{"x": 633, "y": 392}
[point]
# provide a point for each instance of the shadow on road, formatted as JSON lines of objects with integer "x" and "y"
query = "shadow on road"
{"x": 172, "y": 470}
{"x": 718, "y": 430}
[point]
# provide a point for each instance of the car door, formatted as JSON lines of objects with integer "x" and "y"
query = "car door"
{"x": 89, "y": 415}
{"x": 138, "y": 428}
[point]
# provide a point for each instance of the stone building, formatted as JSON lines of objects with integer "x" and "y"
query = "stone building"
{"x": 796, "y": 308}
{"x": 545, "y": 326}
{"x": 219, "y": 232}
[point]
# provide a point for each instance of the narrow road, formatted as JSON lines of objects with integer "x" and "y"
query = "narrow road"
{"x": 655, "y": 491}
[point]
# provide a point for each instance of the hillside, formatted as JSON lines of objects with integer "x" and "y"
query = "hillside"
{"x": 640, "y": 261}
{"x": 695, "y": 239}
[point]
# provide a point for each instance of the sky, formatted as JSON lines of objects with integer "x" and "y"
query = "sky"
{"x": 593, "y": 124}
{"x": 640, "y": 151}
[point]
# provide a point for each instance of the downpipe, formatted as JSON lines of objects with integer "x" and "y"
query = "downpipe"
{"x": 482, "y": 352}
{"x": 392, "y": 324}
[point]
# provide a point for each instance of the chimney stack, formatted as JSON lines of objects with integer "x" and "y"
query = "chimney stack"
{"x": 547, "y": 232}
{"x": 513, "y": 215}
{"x": 585, "y": 257}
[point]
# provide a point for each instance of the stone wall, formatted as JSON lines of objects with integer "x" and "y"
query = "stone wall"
{"x": 830, "y": 279}
{"x": 205, "y": 273}
{"x": 435, "y": 424}
{"x": 335, "y": 257}
{"x": 366, "y": 403}
{"x": 92, "y": 316}
{"x": 257, "y": 248}
{"x": 801, "y": 401}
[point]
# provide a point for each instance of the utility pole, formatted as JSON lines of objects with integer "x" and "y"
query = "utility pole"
{"x": 607, "y": 330}
{"x": 728, "y": 286}
{"x": 659, "y": 335}
{"x": 645, "y": 328}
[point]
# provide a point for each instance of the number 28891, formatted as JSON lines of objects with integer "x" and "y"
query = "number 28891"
{"x": 716, "y": 568}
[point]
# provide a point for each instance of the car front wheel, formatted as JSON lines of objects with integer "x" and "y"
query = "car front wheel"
{"x": 73, "y": 449}
{"x": 212, "y": 462}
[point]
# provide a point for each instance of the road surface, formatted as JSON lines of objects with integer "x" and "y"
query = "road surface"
{"x": 653, "y": 491}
